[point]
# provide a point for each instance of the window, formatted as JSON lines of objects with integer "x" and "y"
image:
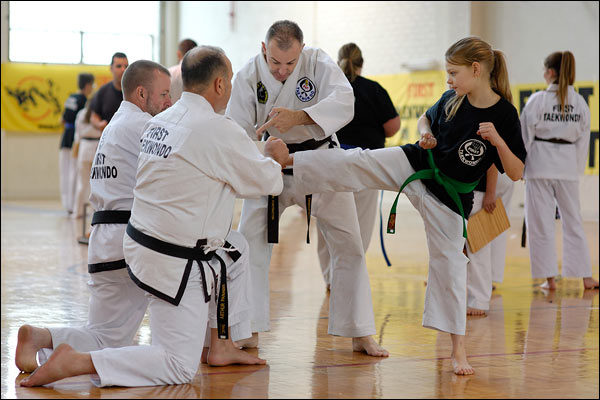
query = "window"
{"x": 87, "y": 32}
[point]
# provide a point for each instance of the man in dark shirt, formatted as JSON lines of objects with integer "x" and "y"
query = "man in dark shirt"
{"x": 109, "y": 97}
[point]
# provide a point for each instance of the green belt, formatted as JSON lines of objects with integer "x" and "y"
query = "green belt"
{"x": 452, "y": 187}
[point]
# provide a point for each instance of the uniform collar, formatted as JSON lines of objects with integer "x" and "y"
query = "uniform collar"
{"x": 553, "y": 87}
{"x": 129, "y": 106}
{"x": 196, "y": 100}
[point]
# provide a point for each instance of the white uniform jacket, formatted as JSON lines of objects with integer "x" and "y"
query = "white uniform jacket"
{"x": 112, "y": 179}
{"x": 83, "y": 133}
{"x": 317, "y": 86}
{"x": 541, "y": 117}
{"x": 193, "y": 163}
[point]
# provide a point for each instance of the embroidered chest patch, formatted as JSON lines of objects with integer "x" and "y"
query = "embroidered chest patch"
{"x": 471, "y": 152}
{"x": 305, "y": 89}
{"x": 261, "y": 93}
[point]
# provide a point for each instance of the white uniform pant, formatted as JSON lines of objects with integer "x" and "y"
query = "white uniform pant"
{"x": 366, "y": 211}
{"x": 350, "y": 304}
{"x": 117, "y": 307}
{"x": 116, "y": 310}
{"x": 540, "y": 196}
{"x": 487, "y": 264}
{"x": 87, "y": 149}
{"x": 67, "y": 166}
{"x": 355, "y": 170}
{"x": 178, "y": 331}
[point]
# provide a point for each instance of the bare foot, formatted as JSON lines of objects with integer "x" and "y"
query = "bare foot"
{"x": 460, "y": 365}
{"x": 248, "y": 343}
{"x": 29, "y": 340}
{"x": 204, "y": 357}
{"x": 63, "y": 363}
{"x": 475, "y": 311}
{"x": 590, "y": 283}
{"x": 550, "y": 284}
{"x": 367, "y": 344}
{"x": 226, "y": 353}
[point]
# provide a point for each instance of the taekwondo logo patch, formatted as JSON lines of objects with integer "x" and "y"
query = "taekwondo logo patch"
{"x": 471, "y": 152}
{"x": 305, "y": 89}
{"x": 261, "y": 93}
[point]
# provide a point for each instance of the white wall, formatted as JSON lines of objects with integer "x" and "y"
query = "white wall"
{"x": 389, "y": 33}
{"x": 528, "y": 31}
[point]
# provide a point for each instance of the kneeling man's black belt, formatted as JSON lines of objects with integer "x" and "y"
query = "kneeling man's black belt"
{"x": 273, "y": 201}
{"x": 195, "y": 254}
{"x": 109, "y": 217}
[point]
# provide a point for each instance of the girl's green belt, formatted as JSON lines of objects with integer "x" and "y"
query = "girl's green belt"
{"x": 452, "y": 187}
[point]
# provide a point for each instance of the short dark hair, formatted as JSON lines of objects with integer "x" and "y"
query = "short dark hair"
{"x": 284, "y": 32}
{"x": 83, "y": 79}
{"x": 117, "y": 55}
{"x": 140, "y": 74}
{"x": 186, "y": 45}
{"x": 200, "y": 66}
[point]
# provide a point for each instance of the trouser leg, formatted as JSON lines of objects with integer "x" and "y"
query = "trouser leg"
{"x": 116, "y": 310}
{"x": 479, "y": 268}
{"x": 504, "y": 189}
{"x": 253, "y": 225}
{"x": 539, "y": 217}
{"x": 174, "y": 355}
{"x": 350, "y": 304}
{"x": 576, "y": 260}
{"x": 445, "y": 296}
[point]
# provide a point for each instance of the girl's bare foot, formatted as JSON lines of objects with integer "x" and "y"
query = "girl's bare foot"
{"x": 63, "y": 363}
{"x": 475, "y": 311}
{"x": 367, "y": 344}
{"x": 550, "y": 284}
{"x": 29, "y": 341}
{"x": 590, "y": 283}
{"x": 248, "y": 343}
{"x": 460, "y": 365}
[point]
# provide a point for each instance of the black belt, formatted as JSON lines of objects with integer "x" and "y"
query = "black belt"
{"x": 553, "y": 140}
{"x": 195, "y": 254}
{"x": 273, "y": 201}
{"x": 111, "y": 217}
{"x": 90, "y": 138}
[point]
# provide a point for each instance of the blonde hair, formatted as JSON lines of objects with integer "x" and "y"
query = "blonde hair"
{"x": 350, "y": 59}
{"x": 564, "y": 65}
{"x": 472, "y": 49}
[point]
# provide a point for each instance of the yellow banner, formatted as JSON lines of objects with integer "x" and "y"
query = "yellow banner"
{"x": 414, "y": 93}
{"x": 34, "y": 95}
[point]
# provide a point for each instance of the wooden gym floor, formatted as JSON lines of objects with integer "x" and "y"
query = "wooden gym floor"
{"x": 532, "y": 344}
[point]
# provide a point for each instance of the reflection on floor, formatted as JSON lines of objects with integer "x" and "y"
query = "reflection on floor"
{"x": 532, "y": 343}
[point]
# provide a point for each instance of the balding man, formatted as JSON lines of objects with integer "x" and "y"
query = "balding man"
{"x": 176, "y": 82}
{"x": 179, "y": 245}
{"x": 300, "y": 95}
{"x": 117, "y": 305}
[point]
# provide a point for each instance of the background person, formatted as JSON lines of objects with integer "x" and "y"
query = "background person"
{"x": 375, "y": 118}
{"x": 556, "y": 131}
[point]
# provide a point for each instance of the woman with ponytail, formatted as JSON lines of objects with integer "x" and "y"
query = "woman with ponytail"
{"x": 472, "y": 127}
{"x": 556, "y": 132}
{"x": 375, "y": 118}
